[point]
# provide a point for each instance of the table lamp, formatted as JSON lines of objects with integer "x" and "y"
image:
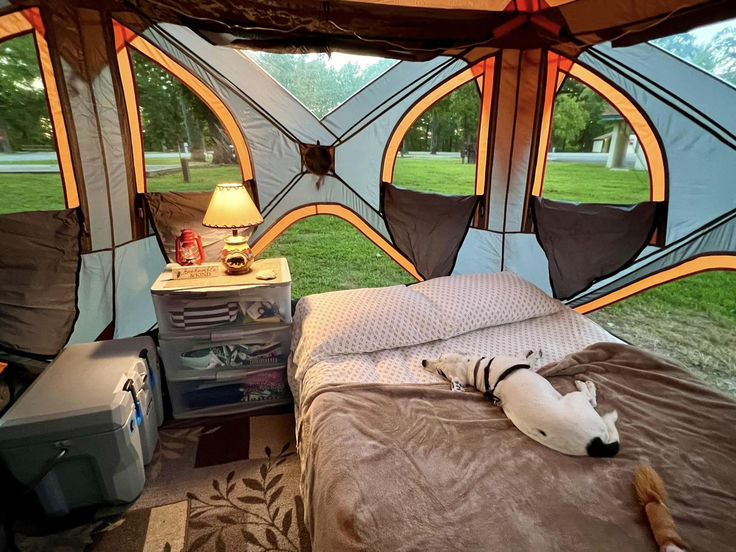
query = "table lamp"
{"x": 232, "y": 207}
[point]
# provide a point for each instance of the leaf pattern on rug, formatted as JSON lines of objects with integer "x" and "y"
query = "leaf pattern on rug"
{"x": 248, "y": 510}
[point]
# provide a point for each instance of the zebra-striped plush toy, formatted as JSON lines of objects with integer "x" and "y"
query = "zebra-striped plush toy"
{"x": 566, "y": 423}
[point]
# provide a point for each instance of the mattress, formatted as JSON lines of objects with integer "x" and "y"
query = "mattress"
{"x": 508, "y": 316}
{"x": 391, "y": 459}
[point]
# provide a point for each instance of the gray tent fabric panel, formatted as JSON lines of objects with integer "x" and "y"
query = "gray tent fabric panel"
{"x": 112, "y": 143}
{"x": 704, "y": 92}
{"x": 38, "y": 279}
{"x": 359, "y": 159}
{"x": 522, "y": 138}
{"x": 699, "y": 190}
{"x": 262, "y": 89}
{"x": 586, "y": 242}
{"x": 427, "y": 228}
{"x": 274, "y": 152}
{"x": 479, "y": 253}
{"x": 509, "y": 152}
{"x": 524, "y": 256}
{"x": 714, "y": 238}
{"x": 138, "y": 265}
{"x": 94, "y": 297}
{"x": 93, "y": 167}
{"x": 390, "y": 87}
{"x": 170, "y": 212}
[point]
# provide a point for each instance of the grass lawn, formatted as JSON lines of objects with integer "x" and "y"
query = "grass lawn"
{"x": 200, "y": 179}
{"x": 692, "y": 320}
{"x": 327, "y": 253}
{"x": 565, "y": 181}
{"x": 594, "y": 183}
{"x": 30, "y": 192}
{"x": 441, "y": 176}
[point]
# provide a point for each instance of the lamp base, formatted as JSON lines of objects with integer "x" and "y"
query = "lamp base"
{"x": 237, "y": 256}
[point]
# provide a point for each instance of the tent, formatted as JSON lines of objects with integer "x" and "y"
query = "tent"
{"x": 77, "y": 274}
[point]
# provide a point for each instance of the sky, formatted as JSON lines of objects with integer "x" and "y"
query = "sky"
{"x": 706, "y": 34}
{"x": 338, "y": 59}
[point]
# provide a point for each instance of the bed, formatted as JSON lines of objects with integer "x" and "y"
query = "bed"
{"x": 393, "y": 460}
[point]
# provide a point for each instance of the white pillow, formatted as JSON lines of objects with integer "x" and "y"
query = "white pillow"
{"x": 471, "y": 301}
{"x": 362, "y": 321}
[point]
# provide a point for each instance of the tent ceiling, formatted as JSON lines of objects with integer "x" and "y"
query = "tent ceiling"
{"x": 422, "y": 29}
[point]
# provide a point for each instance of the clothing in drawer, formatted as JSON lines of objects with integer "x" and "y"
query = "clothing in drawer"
{"x": 234, "y": 355}
{"x": 207, "y": 353}
{"x": 178, "y": 312}
{"x": 243, "y": 392}
{"x": 195, "y": 317}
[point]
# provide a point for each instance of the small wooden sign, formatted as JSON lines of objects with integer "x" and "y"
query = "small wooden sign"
{"x": 195, "y": 271}
{"x": 181, "y": 278}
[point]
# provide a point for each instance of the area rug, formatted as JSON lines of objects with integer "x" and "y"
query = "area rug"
{"x": 224, "y": 484}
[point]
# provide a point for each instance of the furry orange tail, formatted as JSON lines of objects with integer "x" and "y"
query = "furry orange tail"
{"x": 652, "y": 495}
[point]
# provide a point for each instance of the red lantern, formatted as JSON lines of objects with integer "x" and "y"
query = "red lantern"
{"x": 189, "y": 248}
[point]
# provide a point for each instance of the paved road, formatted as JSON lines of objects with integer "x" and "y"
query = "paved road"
{"x": 51, "y": 156}
{"x": 562, "y": 157}
{"x": 593, "y": 158}
{"x": 47, "y": 162}
{"x": 54, "y": 168}
{"x": 7, "y": 166}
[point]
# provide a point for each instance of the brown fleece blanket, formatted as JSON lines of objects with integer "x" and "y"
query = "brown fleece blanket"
{"x": 418, "y": 467}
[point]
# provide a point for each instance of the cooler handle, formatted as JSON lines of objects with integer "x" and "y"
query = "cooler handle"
{"x": 130, "y": 386}
{"x": 144, "y": 355}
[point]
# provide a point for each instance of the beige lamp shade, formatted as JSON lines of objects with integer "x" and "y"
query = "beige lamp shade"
{"x": 231, "y": 207}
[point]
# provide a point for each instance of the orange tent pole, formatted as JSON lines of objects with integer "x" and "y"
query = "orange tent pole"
{"x": 693, "y": 266}
{"x": 345, "y": 214}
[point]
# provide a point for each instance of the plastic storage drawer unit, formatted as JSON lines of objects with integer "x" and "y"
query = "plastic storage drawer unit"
{"x": 181, "y": 306}
{"x": 205, "y": 354}
{"x": 228, "y": 393}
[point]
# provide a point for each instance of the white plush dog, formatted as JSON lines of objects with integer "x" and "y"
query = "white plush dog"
{"x": 568, "y": 424}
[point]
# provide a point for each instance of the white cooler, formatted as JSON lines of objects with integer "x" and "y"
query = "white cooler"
{"x": 98, "y": 402}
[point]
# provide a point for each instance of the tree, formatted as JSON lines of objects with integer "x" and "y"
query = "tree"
{"x": 592, "y": 105}
{"x": 173, "y": 114}
{"x": 722, "y": 54}
{"x": 717, "y": 56}
{"x": 24, "y": 116}
{"x": 682, "y": 45}
{"x": 320, "y": 86}
{"x": 451, "y": 124}
{"x": 570, "y": 119}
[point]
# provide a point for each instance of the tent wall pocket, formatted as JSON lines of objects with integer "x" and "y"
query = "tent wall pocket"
{"x": 587, "y": 242}
{"x": 39, "y": 266}
{"x": 710, "y": 247}
{"x": 427, "y": 228}
{"x": 169, "y": 212}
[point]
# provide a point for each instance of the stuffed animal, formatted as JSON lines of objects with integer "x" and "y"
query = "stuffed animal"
{"x": 652, "y": 495}
{"x": 568, "y": 424}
